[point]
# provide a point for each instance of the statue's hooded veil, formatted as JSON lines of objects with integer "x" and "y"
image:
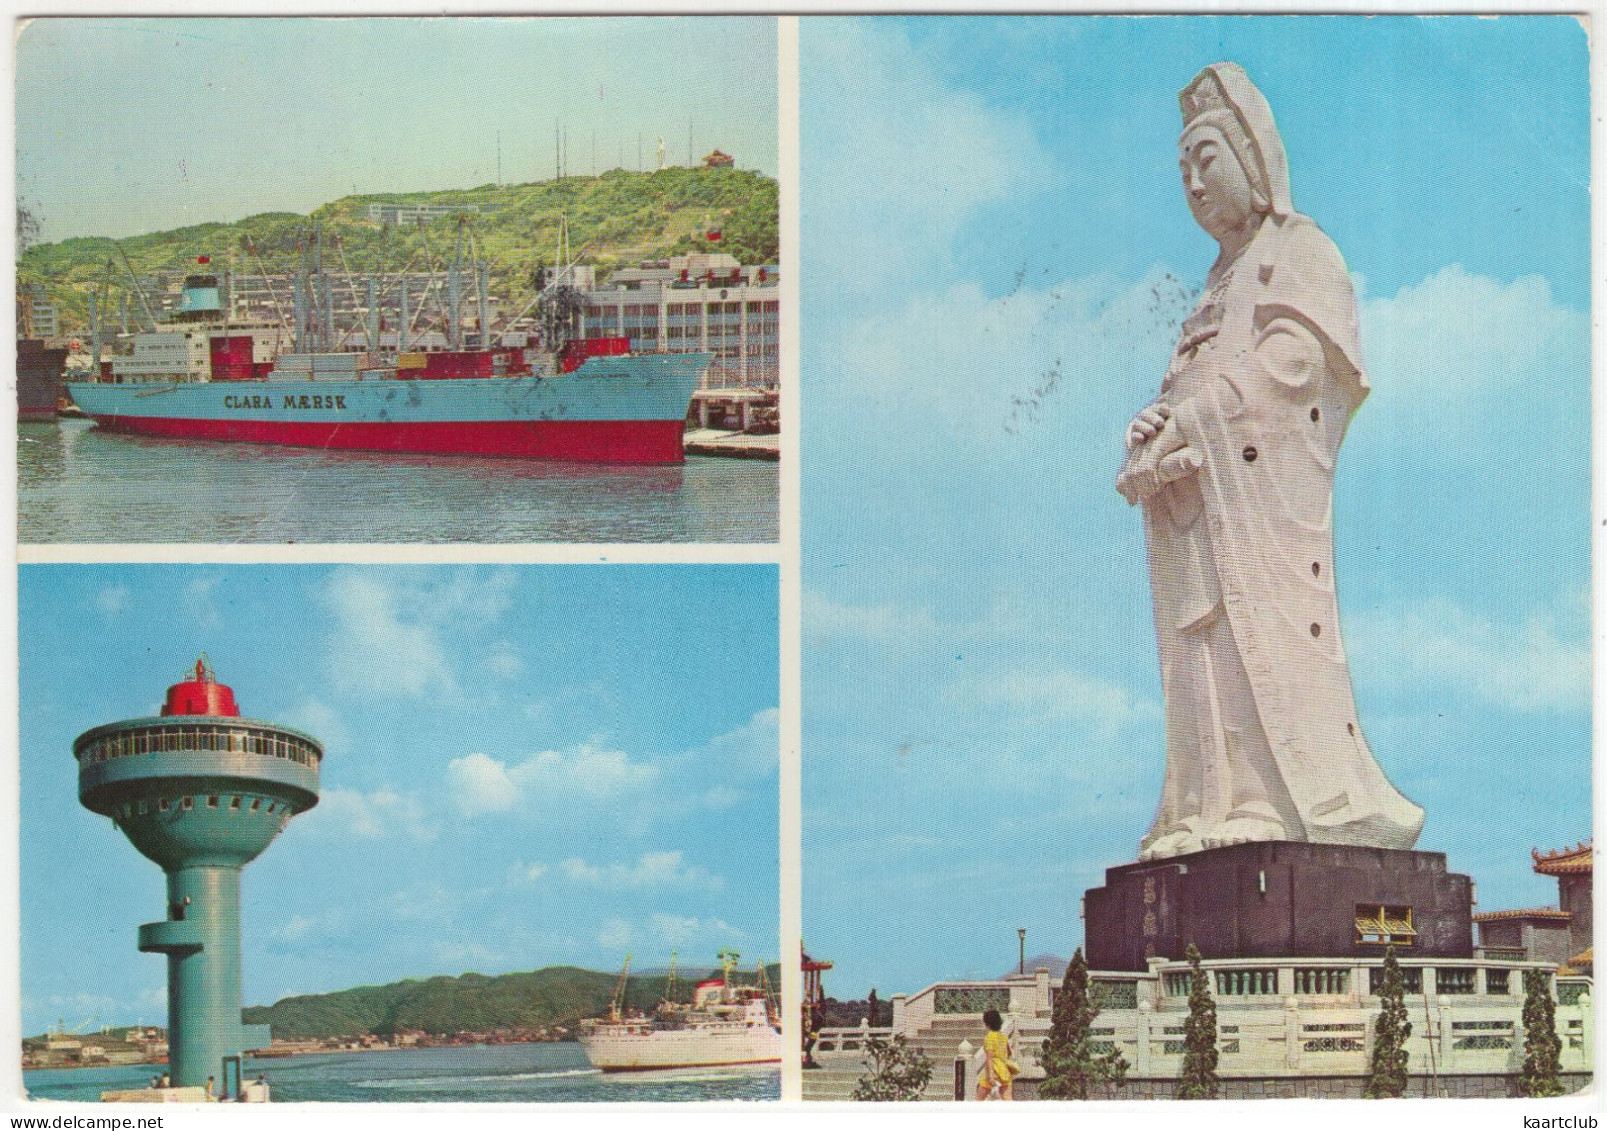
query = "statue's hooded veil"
{"x": 1312, "y": 273}
{"x": 1223, "y": 95}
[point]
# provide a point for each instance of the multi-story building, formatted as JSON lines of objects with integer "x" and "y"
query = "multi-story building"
{"x": 39, "y": 318}
{"x": 405, "y": 213}
{"x": 692, "y": 303}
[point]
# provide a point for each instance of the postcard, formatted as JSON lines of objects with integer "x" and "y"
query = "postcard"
{"x": 398, "y": 281}
{"x": 1196, "y": 619}
{"x": 399, "y": 834}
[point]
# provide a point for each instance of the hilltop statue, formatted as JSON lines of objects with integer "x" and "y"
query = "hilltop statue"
{"x": 1233, "y": 463}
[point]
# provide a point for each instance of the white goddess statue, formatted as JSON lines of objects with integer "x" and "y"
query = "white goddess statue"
{"x": 1233, "y": 463}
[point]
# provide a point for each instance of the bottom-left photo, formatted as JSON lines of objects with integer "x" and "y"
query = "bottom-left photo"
{"x": 408, "y": 834}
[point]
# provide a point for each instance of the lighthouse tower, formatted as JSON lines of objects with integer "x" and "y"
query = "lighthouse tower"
{"x": 201, "y": 791}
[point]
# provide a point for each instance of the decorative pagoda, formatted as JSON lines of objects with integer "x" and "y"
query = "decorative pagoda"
{"x": 1560, "y": 934}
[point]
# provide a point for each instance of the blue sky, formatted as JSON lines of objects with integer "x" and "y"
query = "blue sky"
{"x": 128, "y": 126}
{"x": 995, "y": 257}
{"x": 524, "y": 767}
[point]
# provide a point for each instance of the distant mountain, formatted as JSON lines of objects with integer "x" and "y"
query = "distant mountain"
{"x": 618, "y": 218}
{"x": 556, "y": 995}
{"x": 1055, "y": 966}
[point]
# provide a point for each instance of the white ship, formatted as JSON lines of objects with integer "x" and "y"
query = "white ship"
{"x": 724, "y": 1024}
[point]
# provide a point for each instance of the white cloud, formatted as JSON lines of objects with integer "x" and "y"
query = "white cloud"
{"x": 388, "y": 637}
{"x": 321, "y": 721}
{"x": 909, "y": 201}
{"x": 651, "y": 870}
{"x": 1527, "y": 667}
{"x": 482, "y": 784}
{"x": 201, "y": 603}
{"x": 823, "y": 617}
{"x": 296, "y": 927}
{"x": 752, "y": 748}
{"x": 462, "y": 953}
{"x": 1075, "y": 358}
{"x": 1456, "y": 334}
{"x": 113, "y": 600}
{"x": 479, "y": 783}
{"x": 383, "y": 812}
{"x": 674, "y": 930}
{"x": 1059, "y": 696}
{"x": 615, "y": 933}
{"x": 503, "y": 661}
{"x": 679, "y": 930}
{"x": 521, "y": 874}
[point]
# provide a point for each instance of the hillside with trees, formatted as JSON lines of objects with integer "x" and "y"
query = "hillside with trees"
{"x": 556, "y": 995}
{"x": 617, "y": 218}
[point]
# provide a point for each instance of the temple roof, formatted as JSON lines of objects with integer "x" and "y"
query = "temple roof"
{"x": 1583, "y": 963}
{"x": 1564, "y": 861}
{"x": 1550, "y": 913}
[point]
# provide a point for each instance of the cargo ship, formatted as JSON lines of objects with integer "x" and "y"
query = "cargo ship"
{"x": 725, "y": 1024}
{"x": 202, "y": 376}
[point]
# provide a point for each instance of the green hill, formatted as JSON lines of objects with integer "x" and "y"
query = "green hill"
{"x": 556, "y": 995}
{"x": 618, "y": 218}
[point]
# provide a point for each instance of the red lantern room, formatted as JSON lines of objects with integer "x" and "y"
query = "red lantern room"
{"x": 201, "y": 694}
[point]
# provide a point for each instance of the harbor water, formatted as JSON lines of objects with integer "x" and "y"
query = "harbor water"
{"x": 534, "y": 1073}
{"x": 76, "y": 483}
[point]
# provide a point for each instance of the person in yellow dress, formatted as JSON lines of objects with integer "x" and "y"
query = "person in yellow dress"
{"x": 998, "y": 1072}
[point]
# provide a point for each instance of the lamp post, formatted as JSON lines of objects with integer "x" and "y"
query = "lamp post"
{"x": 1021, "y": 937}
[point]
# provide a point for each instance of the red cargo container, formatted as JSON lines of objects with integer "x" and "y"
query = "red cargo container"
{"x": 575, "y": 353}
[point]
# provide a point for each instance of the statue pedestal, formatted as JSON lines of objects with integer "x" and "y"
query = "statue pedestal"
{"x": 1277, "y": 899}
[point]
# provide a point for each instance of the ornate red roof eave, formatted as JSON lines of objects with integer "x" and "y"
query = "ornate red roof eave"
{"x": 1577, "y": 860}
{"x": 814, "y": 963}
{"x": 1526, "y": 913}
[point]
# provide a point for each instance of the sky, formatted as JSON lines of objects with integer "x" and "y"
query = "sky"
{"x": 126, "y": 126}
{"x": 995, "y": 261}
{"x": 524, "y": 766}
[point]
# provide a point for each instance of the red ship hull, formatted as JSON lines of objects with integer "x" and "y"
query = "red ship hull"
{"x": 594, "y": 441}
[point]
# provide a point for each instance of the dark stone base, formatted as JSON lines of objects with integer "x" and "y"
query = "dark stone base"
{"x": 1273, "y": 899}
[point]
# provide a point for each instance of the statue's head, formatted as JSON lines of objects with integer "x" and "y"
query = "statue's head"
{"x": 1234, "y": 170}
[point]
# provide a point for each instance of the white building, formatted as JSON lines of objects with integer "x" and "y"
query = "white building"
{"x": 1286, "y": 1027}
{"x": 696, "y": 303}
{"x": 412, "y": 213}
{"x": 40, "y": 320}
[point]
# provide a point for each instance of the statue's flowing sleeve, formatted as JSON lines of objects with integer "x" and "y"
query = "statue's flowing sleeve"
{"x": 1267, "y": 430}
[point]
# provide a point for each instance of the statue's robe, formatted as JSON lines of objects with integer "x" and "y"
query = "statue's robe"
{"x": 1261, "y": 718}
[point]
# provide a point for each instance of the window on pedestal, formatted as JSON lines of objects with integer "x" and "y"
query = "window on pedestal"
{"x": 1384, "y": 925}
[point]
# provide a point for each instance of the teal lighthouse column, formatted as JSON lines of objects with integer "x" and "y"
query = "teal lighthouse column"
{"x": 201, "y": 791}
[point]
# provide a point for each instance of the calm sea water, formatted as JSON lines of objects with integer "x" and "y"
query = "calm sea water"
{"x": 76, "y": 483}
{"x": 547, "y": 1073}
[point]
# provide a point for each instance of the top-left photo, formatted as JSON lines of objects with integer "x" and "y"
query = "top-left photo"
{"x": 453, "y": 280}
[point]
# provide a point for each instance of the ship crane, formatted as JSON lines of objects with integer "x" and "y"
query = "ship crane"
{"x": 616, "y": 1006}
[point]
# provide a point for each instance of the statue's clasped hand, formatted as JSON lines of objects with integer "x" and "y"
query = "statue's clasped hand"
{"x": 1157, "y": 454}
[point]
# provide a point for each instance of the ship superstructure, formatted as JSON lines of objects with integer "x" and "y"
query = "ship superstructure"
{"x": 724, "y": 1024}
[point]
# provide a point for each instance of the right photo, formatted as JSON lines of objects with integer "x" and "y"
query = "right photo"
{"x": 1196, "y": 513}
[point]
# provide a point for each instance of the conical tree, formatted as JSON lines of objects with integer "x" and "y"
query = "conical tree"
{"x": 1069, "y": 1061}
{"x": 1198, "y": 1080}
{"x": 1542, "y": 1049}
{"x": 1386, "y": 1074}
